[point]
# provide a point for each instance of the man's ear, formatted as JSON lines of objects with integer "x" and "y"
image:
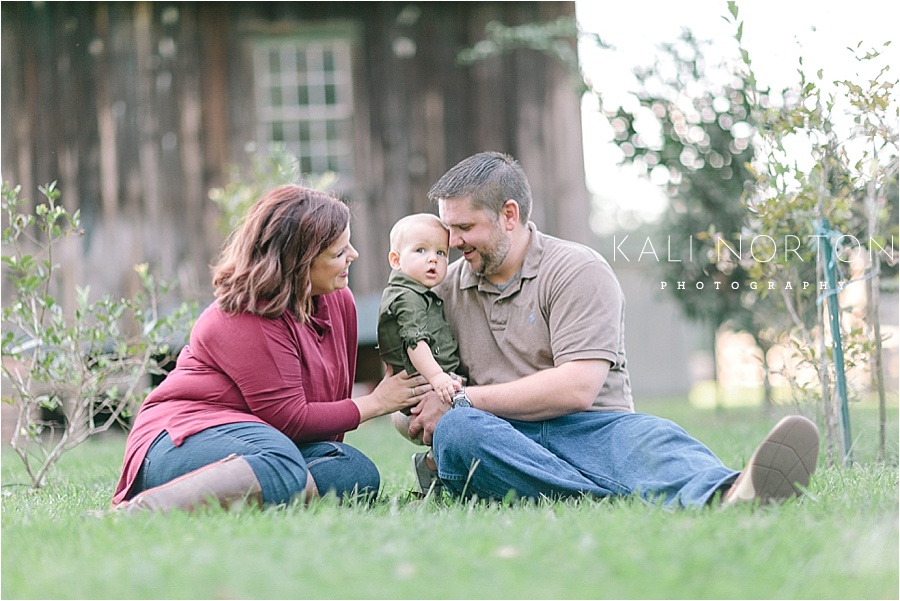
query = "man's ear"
{"x": 509, "y": 213}
{"x": 394, "y": 259}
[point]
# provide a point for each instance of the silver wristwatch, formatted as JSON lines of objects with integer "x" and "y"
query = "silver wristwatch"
{"x": 460, "y": 399}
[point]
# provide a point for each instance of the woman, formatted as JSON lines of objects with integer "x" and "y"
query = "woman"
{"x": 259, "y": 401}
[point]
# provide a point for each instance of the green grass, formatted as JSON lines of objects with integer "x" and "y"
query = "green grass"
{"x": 838, "y": 542}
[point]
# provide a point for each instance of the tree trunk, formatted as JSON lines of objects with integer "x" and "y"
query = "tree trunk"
{"x": 768, "y": 401}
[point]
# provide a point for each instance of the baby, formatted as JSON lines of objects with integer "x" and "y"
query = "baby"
{"x": 412, "y": 332}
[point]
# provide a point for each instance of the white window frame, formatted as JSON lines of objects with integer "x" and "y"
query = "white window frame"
{"x": 314, "y": 118}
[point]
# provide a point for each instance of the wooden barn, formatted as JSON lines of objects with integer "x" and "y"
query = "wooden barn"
{"x": 139, "y": 109}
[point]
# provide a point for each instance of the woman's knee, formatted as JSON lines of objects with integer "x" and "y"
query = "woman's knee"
{"x": 281, "y": 475}
{"x": 366, "y": 479}
{"x": 342, "y": 470}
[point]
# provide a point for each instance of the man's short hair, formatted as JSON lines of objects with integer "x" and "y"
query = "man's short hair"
{"x": 489, "y": 179}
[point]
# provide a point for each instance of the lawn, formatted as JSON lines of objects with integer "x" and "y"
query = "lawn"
{"x": 838, "y": 542}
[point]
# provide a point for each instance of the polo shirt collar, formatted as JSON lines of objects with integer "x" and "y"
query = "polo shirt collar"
{"x": 469, "y": 279}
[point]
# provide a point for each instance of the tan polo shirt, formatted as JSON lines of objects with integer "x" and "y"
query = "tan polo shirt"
{"x": 566, "y": 305}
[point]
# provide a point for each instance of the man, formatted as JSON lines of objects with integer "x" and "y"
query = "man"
{"x": 548, "y": 410}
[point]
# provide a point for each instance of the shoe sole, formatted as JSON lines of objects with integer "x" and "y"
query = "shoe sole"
{"x": 422, "y": 472}
{"x": 781, "y": 466}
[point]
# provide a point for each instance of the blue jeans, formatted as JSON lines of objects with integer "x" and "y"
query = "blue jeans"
{"x": 280, "y": 465}
{"x": 597, "y": 453}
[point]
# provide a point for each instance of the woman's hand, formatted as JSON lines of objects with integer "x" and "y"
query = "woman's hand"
{"x": 393, "y": 393}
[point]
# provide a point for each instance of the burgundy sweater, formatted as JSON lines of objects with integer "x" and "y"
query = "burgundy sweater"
{"x": 244, "y": 368}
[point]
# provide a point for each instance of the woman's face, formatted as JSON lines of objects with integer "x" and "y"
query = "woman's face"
{"x": 330, "y": 269}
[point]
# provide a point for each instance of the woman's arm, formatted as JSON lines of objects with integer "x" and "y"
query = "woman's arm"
{"x": 263, "y": 359}
{"x": 393, "y": 393}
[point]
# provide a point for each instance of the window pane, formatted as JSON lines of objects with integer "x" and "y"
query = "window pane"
{"x": 301, "y": 60}
{"x": 276, "y": 96}
{"x": 277, "y": 132}
{"x": 274, "y": 61}
{"x": 304, "y": 101}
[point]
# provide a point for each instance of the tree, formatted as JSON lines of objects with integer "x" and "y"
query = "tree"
{"x": 691, "y": 131}
{"x": 838, "y": 197}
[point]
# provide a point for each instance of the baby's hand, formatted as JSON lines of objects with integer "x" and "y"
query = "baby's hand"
{"x": 445, "y": 386}
{"x": 461, "y": 380}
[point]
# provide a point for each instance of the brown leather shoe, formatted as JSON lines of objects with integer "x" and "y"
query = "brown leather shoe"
{"x": 781, "y": 466}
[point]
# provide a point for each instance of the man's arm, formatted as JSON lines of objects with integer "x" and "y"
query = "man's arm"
{"x": 567, "y": 388}
{"x": 562, "y": 390}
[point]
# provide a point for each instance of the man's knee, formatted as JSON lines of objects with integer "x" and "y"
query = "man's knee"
{"x": 459, "y": 430}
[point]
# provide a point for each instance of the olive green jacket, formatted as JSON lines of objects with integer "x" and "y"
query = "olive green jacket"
{"x": 409, "y": 313}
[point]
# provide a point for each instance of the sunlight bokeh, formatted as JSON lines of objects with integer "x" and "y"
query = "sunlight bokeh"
{"x": 776, "y": 33}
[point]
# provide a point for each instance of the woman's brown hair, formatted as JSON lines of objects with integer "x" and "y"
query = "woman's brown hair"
{"x": 264, "y": 266}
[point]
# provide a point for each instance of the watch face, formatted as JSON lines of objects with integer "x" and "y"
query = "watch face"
{"x": 460, "y": 400}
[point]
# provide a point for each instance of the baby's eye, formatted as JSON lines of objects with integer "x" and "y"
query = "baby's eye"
{"x": 420, "y": 250}
{"x": 442, "y": 253}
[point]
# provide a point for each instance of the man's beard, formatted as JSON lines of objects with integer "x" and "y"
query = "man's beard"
{"x": 493, "y": 256}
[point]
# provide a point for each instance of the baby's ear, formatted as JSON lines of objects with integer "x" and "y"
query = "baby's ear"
{"x": 394, "y": 259}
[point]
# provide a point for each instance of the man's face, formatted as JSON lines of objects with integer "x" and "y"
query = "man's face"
{"x": 479, "y": 235}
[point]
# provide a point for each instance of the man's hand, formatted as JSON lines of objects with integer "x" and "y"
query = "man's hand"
{"x": 424, "y": 417}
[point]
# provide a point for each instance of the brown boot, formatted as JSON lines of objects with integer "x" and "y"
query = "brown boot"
{"x": 228, "y": 482}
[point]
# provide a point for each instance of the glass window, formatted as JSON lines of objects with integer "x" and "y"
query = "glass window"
{"x": 305, "y": 101}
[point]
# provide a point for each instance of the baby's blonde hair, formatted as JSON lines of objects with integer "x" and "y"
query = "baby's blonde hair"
{"x": 402, "y": 229}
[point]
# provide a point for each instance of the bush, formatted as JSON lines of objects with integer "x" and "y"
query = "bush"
{"x": 89, "y": 366}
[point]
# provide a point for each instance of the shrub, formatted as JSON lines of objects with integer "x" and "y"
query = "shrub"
{"x": 89, "y": 366}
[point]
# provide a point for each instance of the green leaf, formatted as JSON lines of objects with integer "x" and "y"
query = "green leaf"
{"x": 733, "y": 8}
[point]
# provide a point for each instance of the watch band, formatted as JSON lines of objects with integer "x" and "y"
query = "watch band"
{"x": 460, "y": 399}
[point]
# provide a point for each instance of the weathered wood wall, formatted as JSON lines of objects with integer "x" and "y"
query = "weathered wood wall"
{"x": 138, "y": 109}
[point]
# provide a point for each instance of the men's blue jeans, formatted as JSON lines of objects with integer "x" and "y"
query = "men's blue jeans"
{"x": 597, "y": 453}
{"x": 280, "y": 465}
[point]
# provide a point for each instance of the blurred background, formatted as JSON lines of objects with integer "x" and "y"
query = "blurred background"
{"x": 159, "y": 121}
{"x": 642, "y": 42}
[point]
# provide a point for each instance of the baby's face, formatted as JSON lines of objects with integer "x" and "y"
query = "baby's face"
{"x": 423, "y": 256}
